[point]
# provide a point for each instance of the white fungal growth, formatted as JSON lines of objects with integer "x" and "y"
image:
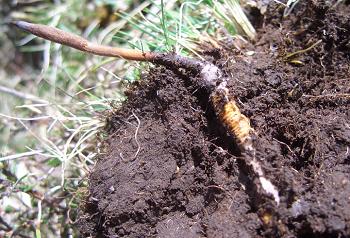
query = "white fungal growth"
{"x": 256, "y": 167}
{"x": 223, "y": 86}
{"x": 265, "y": 183}
{"x": 270, "y": 189}
{"x": 211, "y": 74}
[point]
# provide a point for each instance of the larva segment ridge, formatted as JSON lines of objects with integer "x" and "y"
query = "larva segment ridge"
{"x": 237, "y": 124}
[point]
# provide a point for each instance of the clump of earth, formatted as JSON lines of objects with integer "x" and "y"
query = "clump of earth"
{"x": 169, "y": 168}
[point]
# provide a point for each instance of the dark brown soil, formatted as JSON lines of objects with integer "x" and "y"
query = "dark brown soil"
{"x": 170, "y": 170}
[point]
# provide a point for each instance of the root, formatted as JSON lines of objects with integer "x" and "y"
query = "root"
{"x": 135, "y": 137}
{"x": 296, "y": 53}
{"x": 136, "y": 132}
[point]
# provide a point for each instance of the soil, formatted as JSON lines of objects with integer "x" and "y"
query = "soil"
{"x": 169, "y": 169}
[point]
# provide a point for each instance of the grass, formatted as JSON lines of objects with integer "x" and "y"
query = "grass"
{"x": 54, "y": 99}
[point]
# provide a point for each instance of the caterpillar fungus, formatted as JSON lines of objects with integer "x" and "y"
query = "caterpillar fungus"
{"x": 237, "y": 124}
{"x": 226, "y": 109}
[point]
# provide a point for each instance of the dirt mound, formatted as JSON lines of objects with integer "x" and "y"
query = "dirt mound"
{"x": 170, "y": 170}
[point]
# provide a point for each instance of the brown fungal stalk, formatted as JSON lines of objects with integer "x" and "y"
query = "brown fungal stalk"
{"x": 79, "y": 43}
{"x": 237, "y": 124}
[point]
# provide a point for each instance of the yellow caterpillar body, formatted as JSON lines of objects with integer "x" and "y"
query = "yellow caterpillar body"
{"x": 237, "y": 124}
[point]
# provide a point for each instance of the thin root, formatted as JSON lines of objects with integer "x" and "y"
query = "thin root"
{"x": 292, "y": 55}
{"x": 136, "y": 132}
{"x": 135, "y": 137}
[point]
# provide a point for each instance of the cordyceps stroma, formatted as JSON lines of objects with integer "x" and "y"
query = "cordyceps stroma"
{"x": 250, "y": 143}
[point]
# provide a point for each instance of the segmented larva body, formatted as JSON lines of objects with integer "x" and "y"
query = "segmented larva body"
{"x": 237, "y": 124}
{"x": 236, "y": 121}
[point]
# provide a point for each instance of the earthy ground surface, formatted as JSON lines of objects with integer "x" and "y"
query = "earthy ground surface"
{"x": 170, "y": 170}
